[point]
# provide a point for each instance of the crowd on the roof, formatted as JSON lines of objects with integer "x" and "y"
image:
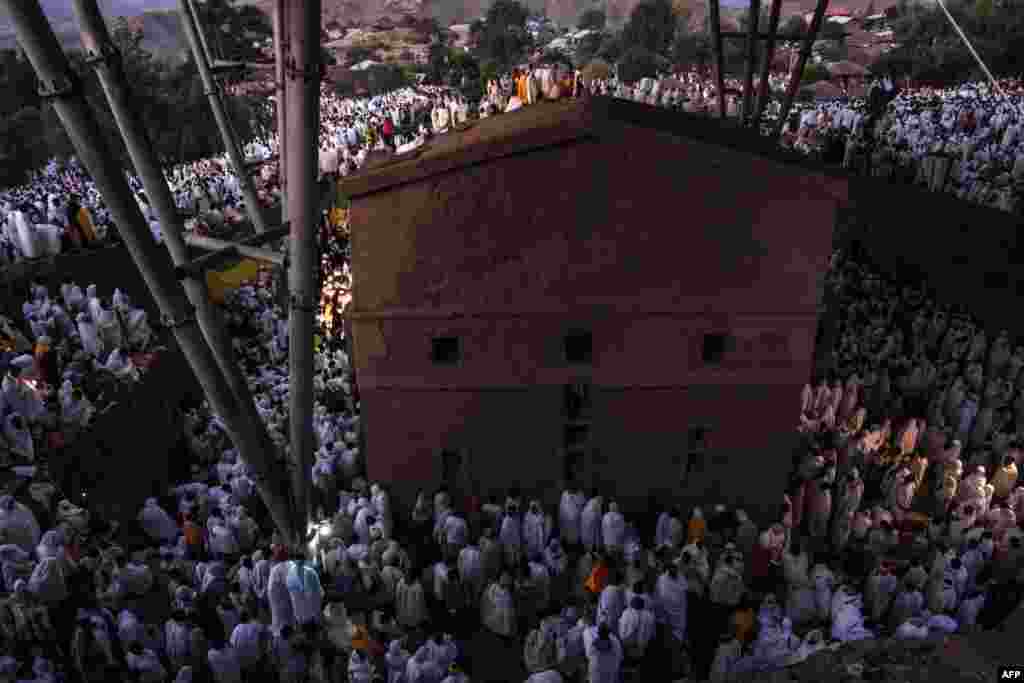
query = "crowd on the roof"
{"x": 966, "y": 140}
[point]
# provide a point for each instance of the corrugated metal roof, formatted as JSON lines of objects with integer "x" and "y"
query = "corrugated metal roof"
{"x": 550, "y": 124}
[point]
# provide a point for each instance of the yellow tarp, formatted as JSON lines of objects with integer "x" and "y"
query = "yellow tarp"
{"x": 219, "y": 282}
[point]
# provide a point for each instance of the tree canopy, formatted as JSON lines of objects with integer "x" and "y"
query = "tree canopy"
{"x": 651, "y": 26}
{"x": 502, "y": 38}
{"x": 593, "y": 19}
{"x": 168, "y": 96}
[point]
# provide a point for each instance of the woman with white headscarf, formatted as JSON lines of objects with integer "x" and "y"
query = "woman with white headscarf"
{"x": 397, "y": 660}
{"x": 157, "y": 524}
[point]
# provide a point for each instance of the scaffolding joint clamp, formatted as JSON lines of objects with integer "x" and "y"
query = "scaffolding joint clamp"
{"x": 108, "y": 54}
{"x": 298, "y": 305}
{"x": 171, "y": 323}
{"x": 63, "y": 87}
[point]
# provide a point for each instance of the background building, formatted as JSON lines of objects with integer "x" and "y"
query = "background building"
{"x": 592, "y": 290}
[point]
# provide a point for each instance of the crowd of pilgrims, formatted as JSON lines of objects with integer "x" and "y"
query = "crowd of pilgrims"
{"x": 967, "y": 140}
{"x": 900, "y": 521}
{"x": 60, "y": 209}
{"x": 72, "y": 356}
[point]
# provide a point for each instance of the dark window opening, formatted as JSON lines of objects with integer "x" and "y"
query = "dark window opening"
{"x": 997, "y": 280}
{"x": 698, "y": 437}
{"x": 445, "y": 350}
{"x": 577, "y": 401}
{"x": 714, "y": 348}
{"x": 579, "y": 346}
{"x": 576, "y": 437}
{"x": 573, "y": 467}
{"x": 451, "y": 463}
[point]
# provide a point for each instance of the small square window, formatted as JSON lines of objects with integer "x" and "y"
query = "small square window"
{"x": 579, "y": 347}
{"x": 715, "y": 347}
{"x": 445, "y": 350}
{"x": 576, "y": 437}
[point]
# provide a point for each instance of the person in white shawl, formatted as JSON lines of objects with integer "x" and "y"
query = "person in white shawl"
{"x": 19, "y": 437}
{"x": 47, "y": 582}
{"x": 604, "y": 655}
{"x": 549, "y": 676}
{"x": 536, "y": 530}
{"x": 422, "y": 669}
{"x": 359, "y": 670}
{"x": 177, "y": 634}
{"x": 612, "y": 602}
{"x": 570, "y": 509}
{"x": 410, "y": 603}
{"x": 145, "y": 664}
{"x": 88, "y": 334}
{"x": 396, "y": 659}
{"x": 613, "y": 529}
{"x": 497, "y": 608}
{"x": 670, "y": 595}
{"x": 800, "y": 605}
{"x": 306, "y": 592}
{"x": 157, "y": 524}
{"x": 471, "y": 571}
{"x": 590, "y": 523}
{"x": 637, "y": 628}
{"x": 511, "y": 536}
{"x": 670, "y": 531}
{"x": 729, "y": 652}
{"x": 848, "y": 617}
{"x": 823, "y": 581}
{"x": 18, "y": 525}
{"x": 249, "y": 639}
{"x": 281, "y": 611}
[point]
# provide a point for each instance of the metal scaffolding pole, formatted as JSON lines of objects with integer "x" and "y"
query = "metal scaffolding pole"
{"x": 105, "y": 59}
{"x": 766, "y": 65}
{"x": 252, "y": 204}
{"x": 280, "y": 48}
{"x": 63, "y": 89}
{"x": 302, "y": 72}
{"x": 715, "y": 18}
{"x": 798, "y": 68}
{"x": 753, "y": 19}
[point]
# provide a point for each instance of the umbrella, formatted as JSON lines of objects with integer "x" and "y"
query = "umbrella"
{"x": 846, "y": 69}
{"x": 822, "y": 90}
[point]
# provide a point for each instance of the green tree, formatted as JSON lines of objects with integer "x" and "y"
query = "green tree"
{"x": 639, "y": 63}
{"x": 593, "y": 19}
{"x": 588, "y": 46}
{"x": 651, "y": 26}
{"x": 502, "y": 38}
{"x": 794, "y": 26}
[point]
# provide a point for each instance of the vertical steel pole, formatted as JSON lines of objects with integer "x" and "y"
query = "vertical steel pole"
{"x": 106, "y": 61}
{"x": 210, "y": 87}
{"x": 766, "y": 66}
{"x": 63, "y": 88}
{"x": 715, "y": 18}
{"x": 303, "y": 104}
{"x": 280, "y": 48}
{"x": 798, "y": 68}
{"x": 753, "y": 19}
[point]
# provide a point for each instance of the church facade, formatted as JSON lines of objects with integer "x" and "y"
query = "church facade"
{"x": 592, "y": 292}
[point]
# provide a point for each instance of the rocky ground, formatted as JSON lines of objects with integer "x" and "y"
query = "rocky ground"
{"x": 948, "y": 659}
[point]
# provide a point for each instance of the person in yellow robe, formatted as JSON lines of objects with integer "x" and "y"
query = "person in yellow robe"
{"x": 85, "y": 225}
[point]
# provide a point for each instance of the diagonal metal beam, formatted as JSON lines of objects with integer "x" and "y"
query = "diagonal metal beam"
{"x": 766, "y": 66}
{"x": 753, "y": 19}
{"x": 798, "y": 68}
{"x": 65, "y": 93}
{"x": 193, "y": 31}
{"x": 715, "y": 18}
{"x": 215, "y": 245}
